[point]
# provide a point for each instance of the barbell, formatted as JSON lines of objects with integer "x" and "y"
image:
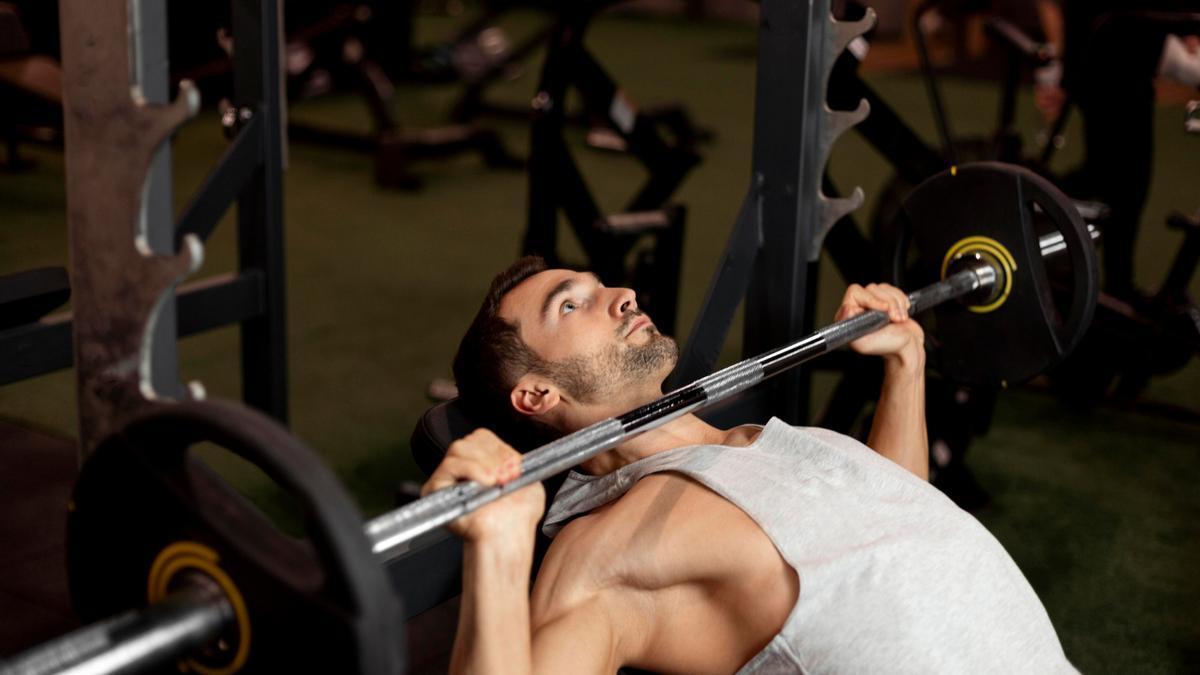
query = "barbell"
{"x": 225, "y": 591}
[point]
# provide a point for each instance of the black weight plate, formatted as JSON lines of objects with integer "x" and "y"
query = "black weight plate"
{"x": 320, "y": 604}
{"x": 1029, "y": 331}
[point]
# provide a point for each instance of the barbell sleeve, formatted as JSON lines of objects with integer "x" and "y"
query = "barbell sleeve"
{"x": 135, "y": 641}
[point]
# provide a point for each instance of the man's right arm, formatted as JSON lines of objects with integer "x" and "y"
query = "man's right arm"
{"x": 493, "y": 624}
{"x": 495, "y": 632}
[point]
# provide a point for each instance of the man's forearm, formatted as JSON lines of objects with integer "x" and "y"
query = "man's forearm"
{"x": 493, "y": 624}
{"x": 898, "y": 430}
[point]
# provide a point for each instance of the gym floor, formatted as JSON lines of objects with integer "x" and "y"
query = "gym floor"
{"x": 1100, "y": 510}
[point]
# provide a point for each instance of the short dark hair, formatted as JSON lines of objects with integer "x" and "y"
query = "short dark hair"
{"x": 492, "y": 357}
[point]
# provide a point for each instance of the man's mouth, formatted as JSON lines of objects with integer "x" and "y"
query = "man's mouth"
{"x": 638, "y": 324}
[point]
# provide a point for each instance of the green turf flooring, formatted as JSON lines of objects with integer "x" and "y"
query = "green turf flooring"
{"x": 1099, "y": 510}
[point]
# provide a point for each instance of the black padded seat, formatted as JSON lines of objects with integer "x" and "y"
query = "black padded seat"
{"x": 445, "y": 423}
{"x": 440, "y": 426}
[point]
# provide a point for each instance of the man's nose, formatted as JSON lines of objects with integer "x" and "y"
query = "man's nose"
{"x": 624, "y": 300}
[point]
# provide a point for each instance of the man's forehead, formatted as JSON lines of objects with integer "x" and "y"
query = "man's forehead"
{"x": 525, "y": 299}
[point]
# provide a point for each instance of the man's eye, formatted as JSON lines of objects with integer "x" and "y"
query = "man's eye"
{"x": 568, "y": 307}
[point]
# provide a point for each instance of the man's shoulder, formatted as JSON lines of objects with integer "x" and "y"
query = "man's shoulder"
{"x": 662, "y": 532}
{"x": 610, "y": 530}
{"x": 652, "y": 547}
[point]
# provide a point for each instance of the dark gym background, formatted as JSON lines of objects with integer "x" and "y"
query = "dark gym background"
{"x": 1101, "y": 510}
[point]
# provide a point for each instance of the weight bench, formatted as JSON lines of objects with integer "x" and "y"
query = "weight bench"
{"x": 440, "y": 426}
{"x": 436, "y": 558}
{"x": 445, "y": 423}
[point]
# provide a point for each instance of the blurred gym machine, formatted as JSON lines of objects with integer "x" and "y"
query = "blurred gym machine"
{"x": 649, "y": 229}
{"x": 1164, "y": 327}
{"x": 344, "y": 48}
{"x": 481, "y": 54}
{"x": 1156, "y": 333}
{"x": 35, "y": 339}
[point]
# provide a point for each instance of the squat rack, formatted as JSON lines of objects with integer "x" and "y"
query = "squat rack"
{"x": 123, "y": 235}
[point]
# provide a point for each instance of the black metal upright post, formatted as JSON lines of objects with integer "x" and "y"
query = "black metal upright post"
{"x": 257, "y": 92}
{"x": 127, "y": 255}
{"x": 118, "y": 282}
{"x": 785, "y": 216}
{"x": 787, "y": 172}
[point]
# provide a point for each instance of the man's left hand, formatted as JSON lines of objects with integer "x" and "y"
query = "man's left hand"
{"x": 901, "y": 340}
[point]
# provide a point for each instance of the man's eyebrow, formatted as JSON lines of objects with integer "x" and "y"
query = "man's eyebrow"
{"x": 562, "y": 287}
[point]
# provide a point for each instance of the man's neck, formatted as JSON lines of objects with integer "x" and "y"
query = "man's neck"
{"x": 680, "y": 432}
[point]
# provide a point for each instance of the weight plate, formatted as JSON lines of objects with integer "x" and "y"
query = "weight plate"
{"x": 999, "y": 212}
{"x": 145, "y": 509}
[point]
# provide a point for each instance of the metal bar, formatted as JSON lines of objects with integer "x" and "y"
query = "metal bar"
{"x": 44, "y": 347}
{"x": 118, "y": 278}
{"x": 222, "y": 185}
{"x": 392, "y": 530}
{"x": 1054, "y": 243}
{"x": 151, "y": 69}
{"x": 135, "y": 641}
{"x": 36, "y": 348}
{"x": 257, "y": 25}
{"x": 1019, "y": 40}
{"x": 931, "y": 84}
{"x": 725, "y": 292}
{"x": 787, "y": 164}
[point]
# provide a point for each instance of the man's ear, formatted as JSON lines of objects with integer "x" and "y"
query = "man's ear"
{"x": 534, "y": 395}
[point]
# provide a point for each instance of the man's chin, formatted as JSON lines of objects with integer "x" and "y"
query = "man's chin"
{"x": 670, "y": 357}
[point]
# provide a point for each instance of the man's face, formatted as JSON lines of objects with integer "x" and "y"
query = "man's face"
{"x": 600, "y": 345}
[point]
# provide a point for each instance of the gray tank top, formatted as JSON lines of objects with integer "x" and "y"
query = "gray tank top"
{"x": 893, "y": 576}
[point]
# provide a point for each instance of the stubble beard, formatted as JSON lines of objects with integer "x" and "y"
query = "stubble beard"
{"x": 617, "y": 369}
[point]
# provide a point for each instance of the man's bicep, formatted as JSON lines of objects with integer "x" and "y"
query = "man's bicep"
{"x": 579, "y": 640}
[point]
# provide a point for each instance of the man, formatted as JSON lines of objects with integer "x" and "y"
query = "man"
{"x": 1112, "y": 51}
{"x": 701, "y": 550}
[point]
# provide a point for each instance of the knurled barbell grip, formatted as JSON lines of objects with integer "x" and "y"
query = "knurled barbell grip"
{"x": 954, "y": 286}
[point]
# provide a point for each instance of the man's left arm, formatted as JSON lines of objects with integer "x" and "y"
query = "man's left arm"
{"x": 898, "y": 431}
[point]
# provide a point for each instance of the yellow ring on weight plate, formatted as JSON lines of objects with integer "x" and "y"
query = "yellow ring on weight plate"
{"x": 992, "y": 248}
{"x": 184, "y": 555}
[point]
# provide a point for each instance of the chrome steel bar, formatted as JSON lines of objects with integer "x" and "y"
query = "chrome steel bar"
{"x": 135, "y": 641}
{"x": 1055, "y": 243}
{"x": 389, "y": 532}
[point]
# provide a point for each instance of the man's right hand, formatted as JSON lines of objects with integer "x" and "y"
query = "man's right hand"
{"x": 485, "y": 459}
